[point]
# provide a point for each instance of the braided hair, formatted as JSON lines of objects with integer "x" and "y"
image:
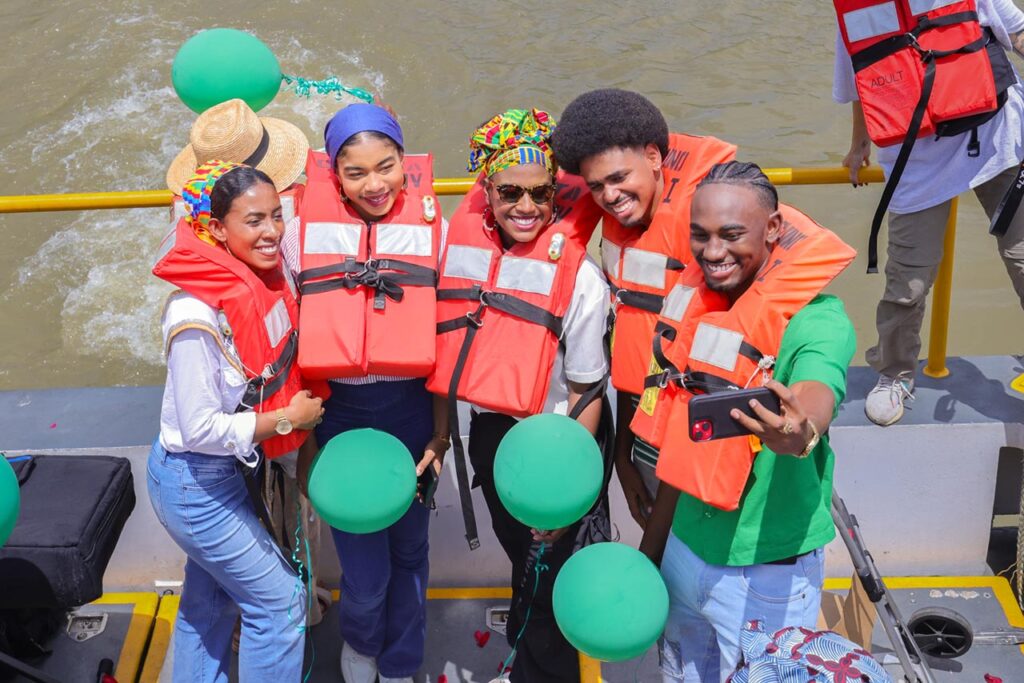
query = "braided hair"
{"x": 744, "y": 173}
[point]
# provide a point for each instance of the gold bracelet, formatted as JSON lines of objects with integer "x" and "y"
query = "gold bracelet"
{"x": 813, "y": 443}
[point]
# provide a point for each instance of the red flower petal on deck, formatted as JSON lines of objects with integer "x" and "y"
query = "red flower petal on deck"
{"x": 989, "y": 678}
{"x": 481, "y": 637}
{"x": 53, "y": 425}
{"x": 442, "y": 679}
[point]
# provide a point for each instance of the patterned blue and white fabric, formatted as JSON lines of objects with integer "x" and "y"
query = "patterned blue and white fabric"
{"x": 800, "y": 655}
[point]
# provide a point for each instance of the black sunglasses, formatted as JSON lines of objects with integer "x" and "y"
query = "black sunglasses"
{"x": 540, "y": 194}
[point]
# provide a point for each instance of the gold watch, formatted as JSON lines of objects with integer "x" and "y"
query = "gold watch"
{"x": 815, "y": 438}
{"x": 284, "y": 425}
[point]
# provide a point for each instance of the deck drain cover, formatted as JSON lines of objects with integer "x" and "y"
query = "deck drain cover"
{"x": 497, "y": 619}
{"x": 82, "y": 626}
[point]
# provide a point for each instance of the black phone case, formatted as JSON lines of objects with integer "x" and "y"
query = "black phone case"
{"x": 709, "y": 413}
{"x": 428, "y": 486}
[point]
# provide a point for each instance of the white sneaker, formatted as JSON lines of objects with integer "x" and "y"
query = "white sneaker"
{"x": 357, "y": 668}
{"x": 884, "y": 403}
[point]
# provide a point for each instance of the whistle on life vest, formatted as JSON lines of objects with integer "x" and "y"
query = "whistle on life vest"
{"x": 429, "y": 209}
{"x": 556, "y": 246}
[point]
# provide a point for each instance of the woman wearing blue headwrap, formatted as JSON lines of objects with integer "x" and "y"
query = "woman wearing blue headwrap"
{"x": 364, "y": 252}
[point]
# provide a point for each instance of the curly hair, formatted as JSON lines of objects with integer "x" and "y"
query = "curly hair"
{"x": 605, "y": 119}
{"x": 744, "y": 173}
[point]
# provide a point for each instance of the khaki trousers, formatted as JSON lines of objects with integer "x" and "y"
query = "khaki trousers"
{"x": 914, "y": 253}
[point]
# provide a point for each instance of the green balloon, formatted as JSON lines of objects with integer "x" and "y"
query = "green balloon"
{"x": 10, "y": 499}
{"x": 548, "y": 471}
{"x": 221, "y": 64}
{"x": 362, "y": 481}
{"x": 610, "y": 602}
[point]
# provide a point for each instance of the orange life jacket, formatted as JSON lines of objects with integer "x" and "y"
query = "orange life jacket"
{"x": 512, "y": 299}
{"x": 702, "y": 344}
{"x": 261, "y": 313}
{"x": 367, "y": 290}
{"x": 639, "y": 263}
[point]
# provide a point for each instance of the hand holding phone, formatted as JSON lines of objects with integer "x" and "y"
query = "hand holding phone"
{"x": 710, "y": 414}
{"x": 426, "y": 484}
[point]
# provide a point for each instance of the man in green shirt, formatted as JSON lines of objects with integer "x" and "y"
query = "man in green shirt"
{"x": 763, "y": 561}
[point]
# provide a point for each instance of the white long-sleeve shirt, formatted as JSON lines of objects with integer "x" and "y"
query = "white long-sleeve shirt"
{"x": 204, "y": 386}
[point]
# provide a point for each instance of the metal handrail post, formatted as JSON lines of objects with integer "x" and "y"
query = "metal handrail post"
{"x": 938, "y": 335}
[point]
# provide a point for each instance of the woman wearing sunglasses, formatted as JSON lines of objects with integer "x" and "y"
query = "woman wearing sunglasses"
{"x": 522, "y": 314}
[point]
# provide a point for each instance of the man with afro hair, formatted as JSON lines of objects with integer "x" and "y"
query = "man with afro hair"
{"x": 643, "y": 178}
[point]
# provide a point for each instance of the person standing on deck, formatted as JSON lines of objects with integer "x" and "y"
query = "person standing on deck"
{"x": 983, "y": 157}
{"x": 763, "y": 559}
{"x": 364, "y": 253}
{"x": 643, "y": 178}
{"x": 515, "y": 261}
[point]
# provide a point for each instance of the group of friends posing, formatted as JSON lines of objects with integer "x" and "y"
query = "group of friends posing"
{"x": 348, "y": 302}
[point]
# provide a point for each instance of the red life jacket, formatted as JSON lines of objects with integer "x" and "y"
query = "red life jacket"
{"x": 368, "y": 290}
{"x": 262, "y": 315}
{"x": 639, "y": 262}
{"x": 922, "y": 67}
{"x": 512, "y": 300}
{"x": 911, "y": 53}
{"x": 703, "y": 344}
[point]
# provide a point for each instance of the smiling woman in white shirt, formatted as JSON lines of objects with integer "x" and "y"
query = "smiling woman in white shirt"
{"x": 231, "y": 397}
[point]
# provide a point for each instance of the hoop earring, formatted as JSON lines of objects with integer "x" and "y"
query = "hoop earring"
{"x": 489, "y": 220}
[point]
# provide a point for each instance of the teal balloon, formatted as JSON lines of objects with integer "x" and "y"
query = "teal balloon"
{"x": 362, "y": 481}
{"x": 10, "y": 500}
{"x": 548, "y": 471}
{"x": 610, "y": 602}
{"x": 221, "y": 64}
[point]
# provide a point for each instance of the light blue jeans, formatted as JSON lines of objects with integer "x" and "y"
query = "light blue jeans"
{"x": 233, "y": 567}
{"x": 709, "y": 604}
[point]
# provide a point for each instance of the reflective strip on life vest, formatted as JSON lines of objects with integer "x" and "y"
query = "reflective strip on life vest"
{"x": 677, "y": 302}
{"x": 287, "y": 207}
{"x": 716, "y": 346}
{"x": 611, "y": 253}
{"x": 404, "y": 240}
{"x": 868, "y": 22}
{"x": 277, "y": 322}
{"x": 166, "y": 245}
{"x": 645, "y": 268}
{"x": 332, "y": 238}
{"x": 472, "y": 263}
{"x": 922, "y": 6}
{"x": 526, "y": 275}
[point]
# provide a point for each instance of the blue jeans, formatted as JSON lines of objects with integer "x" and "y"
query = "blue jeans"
{"x": 383, "y": 609}
{"x": 233, "y": 567}
{"x": 709, "y": 604}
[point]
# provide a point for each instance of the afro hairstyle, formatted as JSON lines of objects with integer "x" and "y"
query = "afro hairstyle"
{"x": 605, "y": 119}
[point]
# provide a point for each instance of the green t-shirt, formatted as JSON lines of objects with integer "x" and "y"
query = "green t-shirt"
{"x": 786, "y": 506}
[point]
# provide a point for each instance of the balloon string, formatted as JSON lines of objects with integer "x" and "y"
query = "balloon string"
{"x": 538, "y": 567}
{"x": 305, "y": 87}
{"x": 303, "y": 540}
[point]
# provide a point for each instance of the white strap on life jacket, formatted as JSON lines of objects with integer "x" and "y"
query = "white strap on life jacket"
{"x": 403, "y": 240}
{"x": 645, "y": 268}
{"x": 526, "y": 275}
{"x": 716, "y": 346}
{"x": 611, "y": 254}
{"x": 677, "y": 301}
{"x": 277, "y": 322}
{"x": 332, "y": 238}
{"x": 471, "y": 263}
{"x": 868, "y": 22}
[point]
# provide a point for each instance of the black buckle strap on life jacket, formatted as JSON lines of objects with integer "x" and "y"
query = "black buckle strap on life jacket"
{"x": 499, "y": 301}
{"x": 1008, "y": 205}
{"x": 669, "y": 371}
{"x": 472, "y": 324}
{"x": 884, "y": 49}
{"x": 273, "y": 377}
{"x": 645, "y": 301}
{"x": 706, "y": 383}
{"x": 593, "y": 393}
{"x": 387, "y": 284}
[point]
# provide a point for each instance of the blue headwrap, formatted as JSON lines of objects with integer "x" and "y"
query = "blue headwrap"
{"x": 358, "y": 118}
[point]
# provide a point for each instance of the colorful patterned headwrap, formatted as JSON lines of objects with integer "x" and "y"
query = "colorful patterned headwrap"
{"x": 196, "y": 194}
{"x": 519, "y": 136}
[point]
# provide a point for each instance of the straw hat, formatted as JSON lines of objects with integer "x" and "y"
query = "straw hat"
{"x": 231, "y": 131}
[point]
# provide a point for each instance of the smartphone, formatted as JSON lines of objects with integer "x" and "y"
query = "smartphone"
{"x": 427, "y": 485}
{"x": 709, "y": 413}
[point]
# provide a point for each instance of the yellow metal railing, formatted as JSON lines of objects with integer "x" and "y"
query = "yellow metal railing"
{"x": 935, "y": 367}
